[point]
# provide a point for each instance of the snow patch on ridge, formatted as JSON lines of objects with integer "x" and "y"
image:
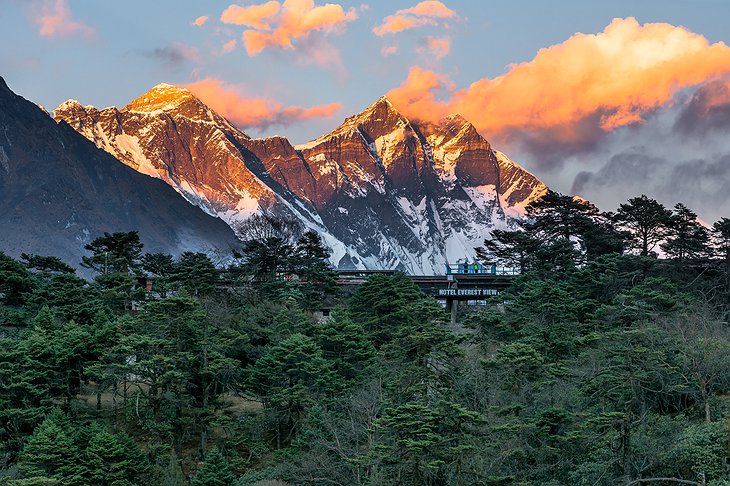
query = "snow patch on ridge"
{"x": 129, "y": 144}
{"x": 517, "y": 211}
{"x": 483, "y": 196}
{"x": 4, "y": 160}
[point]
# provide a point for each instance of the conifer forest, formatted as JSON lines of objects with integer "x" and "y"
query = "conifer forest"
{"x": 605, "y": 362}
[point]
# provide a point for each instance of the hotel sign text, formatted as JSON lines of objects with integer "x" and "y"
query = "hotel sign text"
{"x": 467, "y": 292}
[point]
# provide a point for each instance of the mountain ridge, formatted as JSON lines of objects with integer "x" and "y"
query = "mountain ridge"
{"x": 58, "y": 191}
{"x": 382, "y": 190}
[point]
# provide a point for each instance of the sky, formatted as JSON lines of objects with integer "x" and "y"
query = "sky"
{"x": 608, "y": 100}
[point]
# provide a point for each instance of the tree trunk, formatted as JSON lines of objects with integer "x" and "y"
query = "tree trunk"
{"x": 178, "y": 435}
{"x": 206, "y": 393}
{"x": 626, "y": 446}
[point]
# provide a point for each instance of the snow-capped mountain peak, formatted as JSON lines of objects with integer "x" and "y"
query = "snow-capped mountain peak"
{"x": 384, "y": 191}
{"x": 68, "y": 105}
{"x": 163, "y": 97}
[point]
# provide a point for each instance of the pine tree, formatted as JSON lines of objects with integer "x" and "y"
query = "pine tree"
{"x": 163, "y": 339}
{"x": 46, "y": 264}
{"x": 556, "y": 215}
{"x": 545, "y": 315}
{"x": 116, "y": 252}
{"x": 110, "y": 460}
{"x": 646, "y": 220}
{"x": 385, "y": 304}
{"x": 49, "y": 451}
{"x": 721, "y": 245}
{"x": 514, "y": 249}
{"x": 215, "y": 471}
{"x": 427, "y": 440}
{"x": 346, "y": 345}
{"x": 686, "y": 237}
{"x": 316, "y": 280}
{"x": 289, "y": 378}
{"x": 16, "y": 282}
{"x": 24, "y": 394}
{"x": 71, "y": 297}
{"x": 158, "y": 264}
{"x": 269, "y": 247}
{"x": 558, "y": 232}
{"x": 195, "y": 273}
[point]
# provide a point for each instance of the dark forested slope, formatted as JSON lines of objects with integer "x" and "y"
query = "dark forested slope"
{"x": 58, "y": 191}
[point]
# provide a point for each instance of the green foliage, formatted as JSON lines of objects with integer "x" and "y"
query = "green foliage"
{"x": 345, "y": 345}
{"x": 46, "y": 264}
{"x": 701, "y": 450}
{"x": 545, "y": 315}
{"x": 290, "y": 377}
{"x": 595, "y": 368}
{"x": 50, "y": 451}
{"x": 114, "y": 253}
{"x": 310, "y": 263}
{"x": 157, "y": 264}
{"x": 110, "y": 460}
{"x": 71, "y": 297}
{"x": 514, "y": 249}
{"x": 647, "y": 222}
{"x": 559, "y": 232}
{"x": 215, "y": 471}
{"x": 15, "y": 281}
{"x": 426, "y": 440}
{"x": 386, "y": 304}
{"x": 282, "y": 262}
{"x": 194, "y": 273}
{"x": 686, "y": 237}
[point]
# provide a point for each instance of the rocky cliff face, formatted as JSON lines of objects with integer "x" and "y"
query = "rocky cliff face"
{"x": 382, "y": 190}
{"x": 58, "y": 192}
{"x": 169, "y": 134}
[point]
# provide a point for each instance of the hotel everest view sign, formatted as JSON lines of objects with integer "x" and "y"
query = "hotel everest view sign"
{"x": 467, "y": 292}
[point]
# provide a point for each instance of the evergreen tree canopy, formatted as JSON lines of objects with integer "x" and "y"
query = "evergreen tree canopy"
{"x": 195, "y": 273}
{"x": 559, "y": 231}
{"x": 49, "y": 264}
{"x": 386, "y": 304}
{"x": 157, "y": 264}
{"x": 686, "y": 237}
{"x": 15, "y": 281}
{"x": 721, "y": 242}
{"x": 646, "y": 220}
{"x": 514, "y": 249}
{"x": 215, "y": 471}
{"x": 49, "y": 451}
{"x": 116, "y": 252}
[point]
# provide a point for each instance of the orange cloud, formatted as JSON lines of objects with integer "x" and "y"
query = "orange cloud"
{"x": 588, "y": 85}
{"x": 389, "y": 51}
{"x": 435, "y": 47}
{"x": 257, "y": 113}
{"x": 425, "y": 13}
{"x": 417, "y": 95}
{"x": 254, "y": 16}
{"x": 55, "y": 21}
{"x": 275, "y": 24}
{"x": 430, "y": 8}
{"x": 230, "y": 45}
{"x": 200, "y": 20}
